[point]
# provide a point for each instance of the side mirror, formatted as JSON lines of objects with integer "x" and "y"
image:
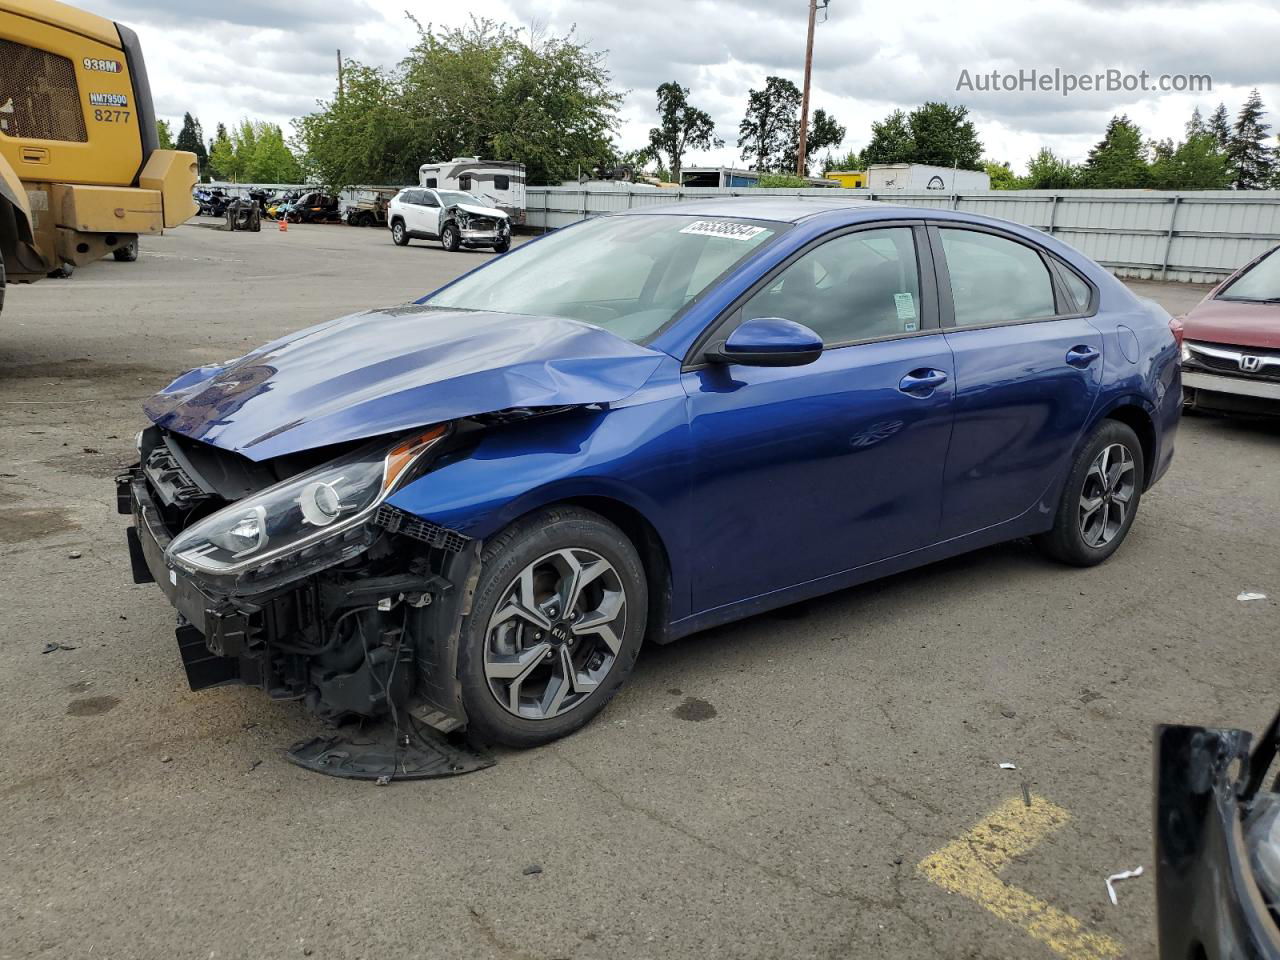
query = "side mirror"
{"x": 768, "y": 342}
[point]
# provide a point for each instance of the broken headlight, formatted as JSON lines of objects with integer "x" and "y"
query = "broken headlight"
{"x": 313, "y": 509}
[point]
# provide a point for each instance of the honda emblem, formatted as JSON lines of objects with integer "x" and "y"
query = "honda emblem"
{"x": 1250, "y": 363}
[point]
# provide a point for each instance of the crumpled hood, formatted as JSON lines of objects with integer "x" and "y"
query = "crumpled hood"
{"x": 394, "y": 369}
{"x": 477, "y": 211}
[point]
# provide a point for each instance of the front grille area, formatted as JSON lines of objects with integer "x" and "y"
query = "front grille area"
{"x": 395, "y": 520}
{"x": 1269, "y": 369}
{"x": 39, "y": 98}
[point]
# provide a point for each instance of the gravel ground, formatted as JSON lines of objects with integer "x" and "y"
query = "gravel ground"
{"x": 765, "y": 789}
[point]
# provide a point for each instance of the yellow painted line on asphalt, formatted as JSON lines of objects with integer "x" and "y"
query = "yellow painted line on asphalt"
{"x": 970, "y": 866}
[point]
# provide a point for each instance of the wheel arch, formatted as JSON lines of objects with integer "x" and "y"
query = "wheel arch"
{"x": 1139, "y": 415}
{"x": 622, "y": 509}
{"x": 613, "y": 500}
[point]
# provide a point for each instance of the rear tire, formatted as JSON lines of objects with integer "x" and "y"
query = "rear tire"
{"x": 2, "y": 281}
{"x": 128, "y": 253}
{"x": 503, "y": 653}
{"x": 1100, "y": 498}
{"x": 399, "y": 235}
{"x": 450, "y": 239}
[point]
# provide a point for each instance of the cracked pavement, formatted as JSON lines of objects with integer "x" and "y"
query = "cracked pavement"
{"x": 764, "y": 789}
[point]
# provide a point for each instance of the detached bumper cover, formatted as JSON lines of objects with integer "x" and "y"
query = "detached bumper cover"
{"x": 1207, "y": 902}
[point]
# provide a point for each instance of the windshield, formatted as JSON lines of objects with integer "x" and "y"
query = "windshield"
{"x": 1259, "y": 282}
{"x": 629, "y": 275}
{"x": 449, "y": 197}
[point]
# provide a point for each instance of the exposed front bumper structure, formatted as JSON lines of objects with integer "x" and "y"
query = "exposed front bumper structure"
{"x": 372, "y": 637}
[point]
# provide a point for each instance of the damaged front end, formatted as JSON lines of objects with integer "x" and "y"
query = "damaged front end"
{"x": 480, "y": 227}
{"x": 1217, "y": 843}
{"x": 295, "y": 575}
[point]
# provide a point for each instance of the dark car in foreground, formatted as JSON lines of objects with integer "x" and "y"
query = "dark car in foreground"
{"x": 1218, "y": 843}
{"x": 472, "y": 510}
{"x": 1231, "y": 345}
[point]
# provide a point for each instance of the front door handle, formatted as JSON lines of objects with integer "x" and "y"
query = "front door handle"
{"x": 1082, "y": 355}
{"x": 922, "y": 383}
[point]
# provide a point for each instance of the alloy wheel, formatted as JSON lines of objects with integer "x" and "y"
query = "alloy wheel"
{"x": 1107, "y": 495}
{"x": 555, "y": 634}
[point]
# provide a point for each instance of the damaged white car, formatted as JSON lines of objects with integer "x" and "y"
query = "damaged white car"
{"x": 455, "y": 218}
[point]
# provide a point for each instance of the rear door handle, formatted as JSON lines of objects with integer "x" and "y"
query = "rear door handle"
{"x": 1082, "y": 355}
{"x": 922, "y": 383}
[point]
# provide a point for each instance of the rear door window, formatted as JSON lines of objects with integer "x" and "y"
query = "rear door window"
{"x": 995, "y": 280}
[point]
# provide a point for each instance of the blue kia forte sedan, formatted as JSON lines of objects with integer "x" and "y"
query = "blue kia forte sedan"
{"x": 472, "y": 511}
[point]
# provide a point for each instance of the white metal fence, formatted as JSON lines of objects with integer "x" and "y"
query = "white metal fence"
{"x": 1195, "y": 237}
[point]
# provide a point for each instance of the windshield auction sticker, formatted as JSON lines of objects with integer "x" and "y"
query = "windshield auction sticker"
{"x": 725, "y": 229}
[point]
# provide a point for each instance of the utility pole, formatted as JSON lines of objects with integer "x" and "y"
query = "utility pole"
{"x": 339, "y": 75}
{"x": 804, "y": 100}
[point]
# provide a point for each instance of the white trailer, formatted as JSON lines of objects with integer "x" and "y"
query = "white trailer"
{"x": 921, "y": 176}
{"x": 497, "y": 182}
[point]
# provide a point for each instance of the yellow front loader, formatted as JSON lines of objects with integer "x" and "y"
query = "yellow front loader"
{"x": 81, "y": 171}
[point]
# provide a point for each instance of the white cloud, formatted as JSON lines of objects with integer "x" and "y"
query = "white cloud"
{"x": 274, "y": 58}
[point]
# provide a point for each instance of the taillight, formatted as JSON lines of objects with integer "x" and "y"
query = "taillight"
{"x": 1175, "y": 325}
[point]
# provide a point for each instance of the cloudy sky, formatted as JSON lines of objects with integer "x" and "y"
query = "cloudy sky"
{"x": 272, "y": 59}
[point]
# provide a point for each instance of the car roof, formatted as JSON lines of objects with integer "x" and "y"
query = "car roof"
{"x": 783, "y": 209}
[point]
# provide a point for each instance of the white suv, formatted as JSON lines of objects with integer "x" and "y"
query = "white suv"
{"x": 454, "y": 218}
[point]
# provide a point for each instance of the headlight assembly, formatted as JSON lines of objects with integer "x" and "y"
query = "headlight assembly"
{"x": 315, "y": 509}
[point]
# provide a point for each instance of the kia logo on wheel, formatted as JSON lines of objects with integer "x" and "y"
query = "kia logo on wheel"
{"x": 1250, "y": 363}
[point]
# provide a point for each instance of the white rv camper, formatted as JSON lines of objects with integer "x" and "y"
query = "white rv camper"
{"x": 499, "y": 183}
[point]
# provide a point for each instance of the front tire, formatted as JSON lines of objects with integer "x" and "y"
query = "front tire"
{"x": 128, "y": 253}
{"x": 502, "y": 246}
{"x": 555, "y": 626}
{"x": 1100, "y": 498}
{"x": 399, "y": 235}
{"x": 450, "y": 239}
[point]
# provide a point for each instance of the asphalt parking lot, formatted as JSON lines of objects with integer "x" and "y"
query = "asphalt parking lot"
{"x": 767, "y": 789}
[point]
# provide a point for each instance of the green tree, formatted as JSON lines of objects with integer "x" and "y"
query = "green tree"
{"x": 850, "y": 161}
{"x": 1001, "y": 176}
{"x": 776, "y": 180}
{"x": 366, "y": 137}
{"x": 1251, "y": 161}
{"x": 1118, "y": 162}
{"x": 681, "y": 127}
{"x": 891, "y": 141}
{"x": 1220, "y": 126}
{"x": 484, "y": 90}
{"x": 944, "y": 136}
{"x": 191, "y": 138}
{"x": 1196, "y": 125}
{"x": 824, "y": 131}
{"x": 767, "y": 132}
{"x": 244, "y": 141}
{"x": 272, "y": 160}
{"x": 223, "y": 164}
{"x": 1047, "y": 171}
{"x": 1195, "y": 164}
{"x": 164, "y": 134}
